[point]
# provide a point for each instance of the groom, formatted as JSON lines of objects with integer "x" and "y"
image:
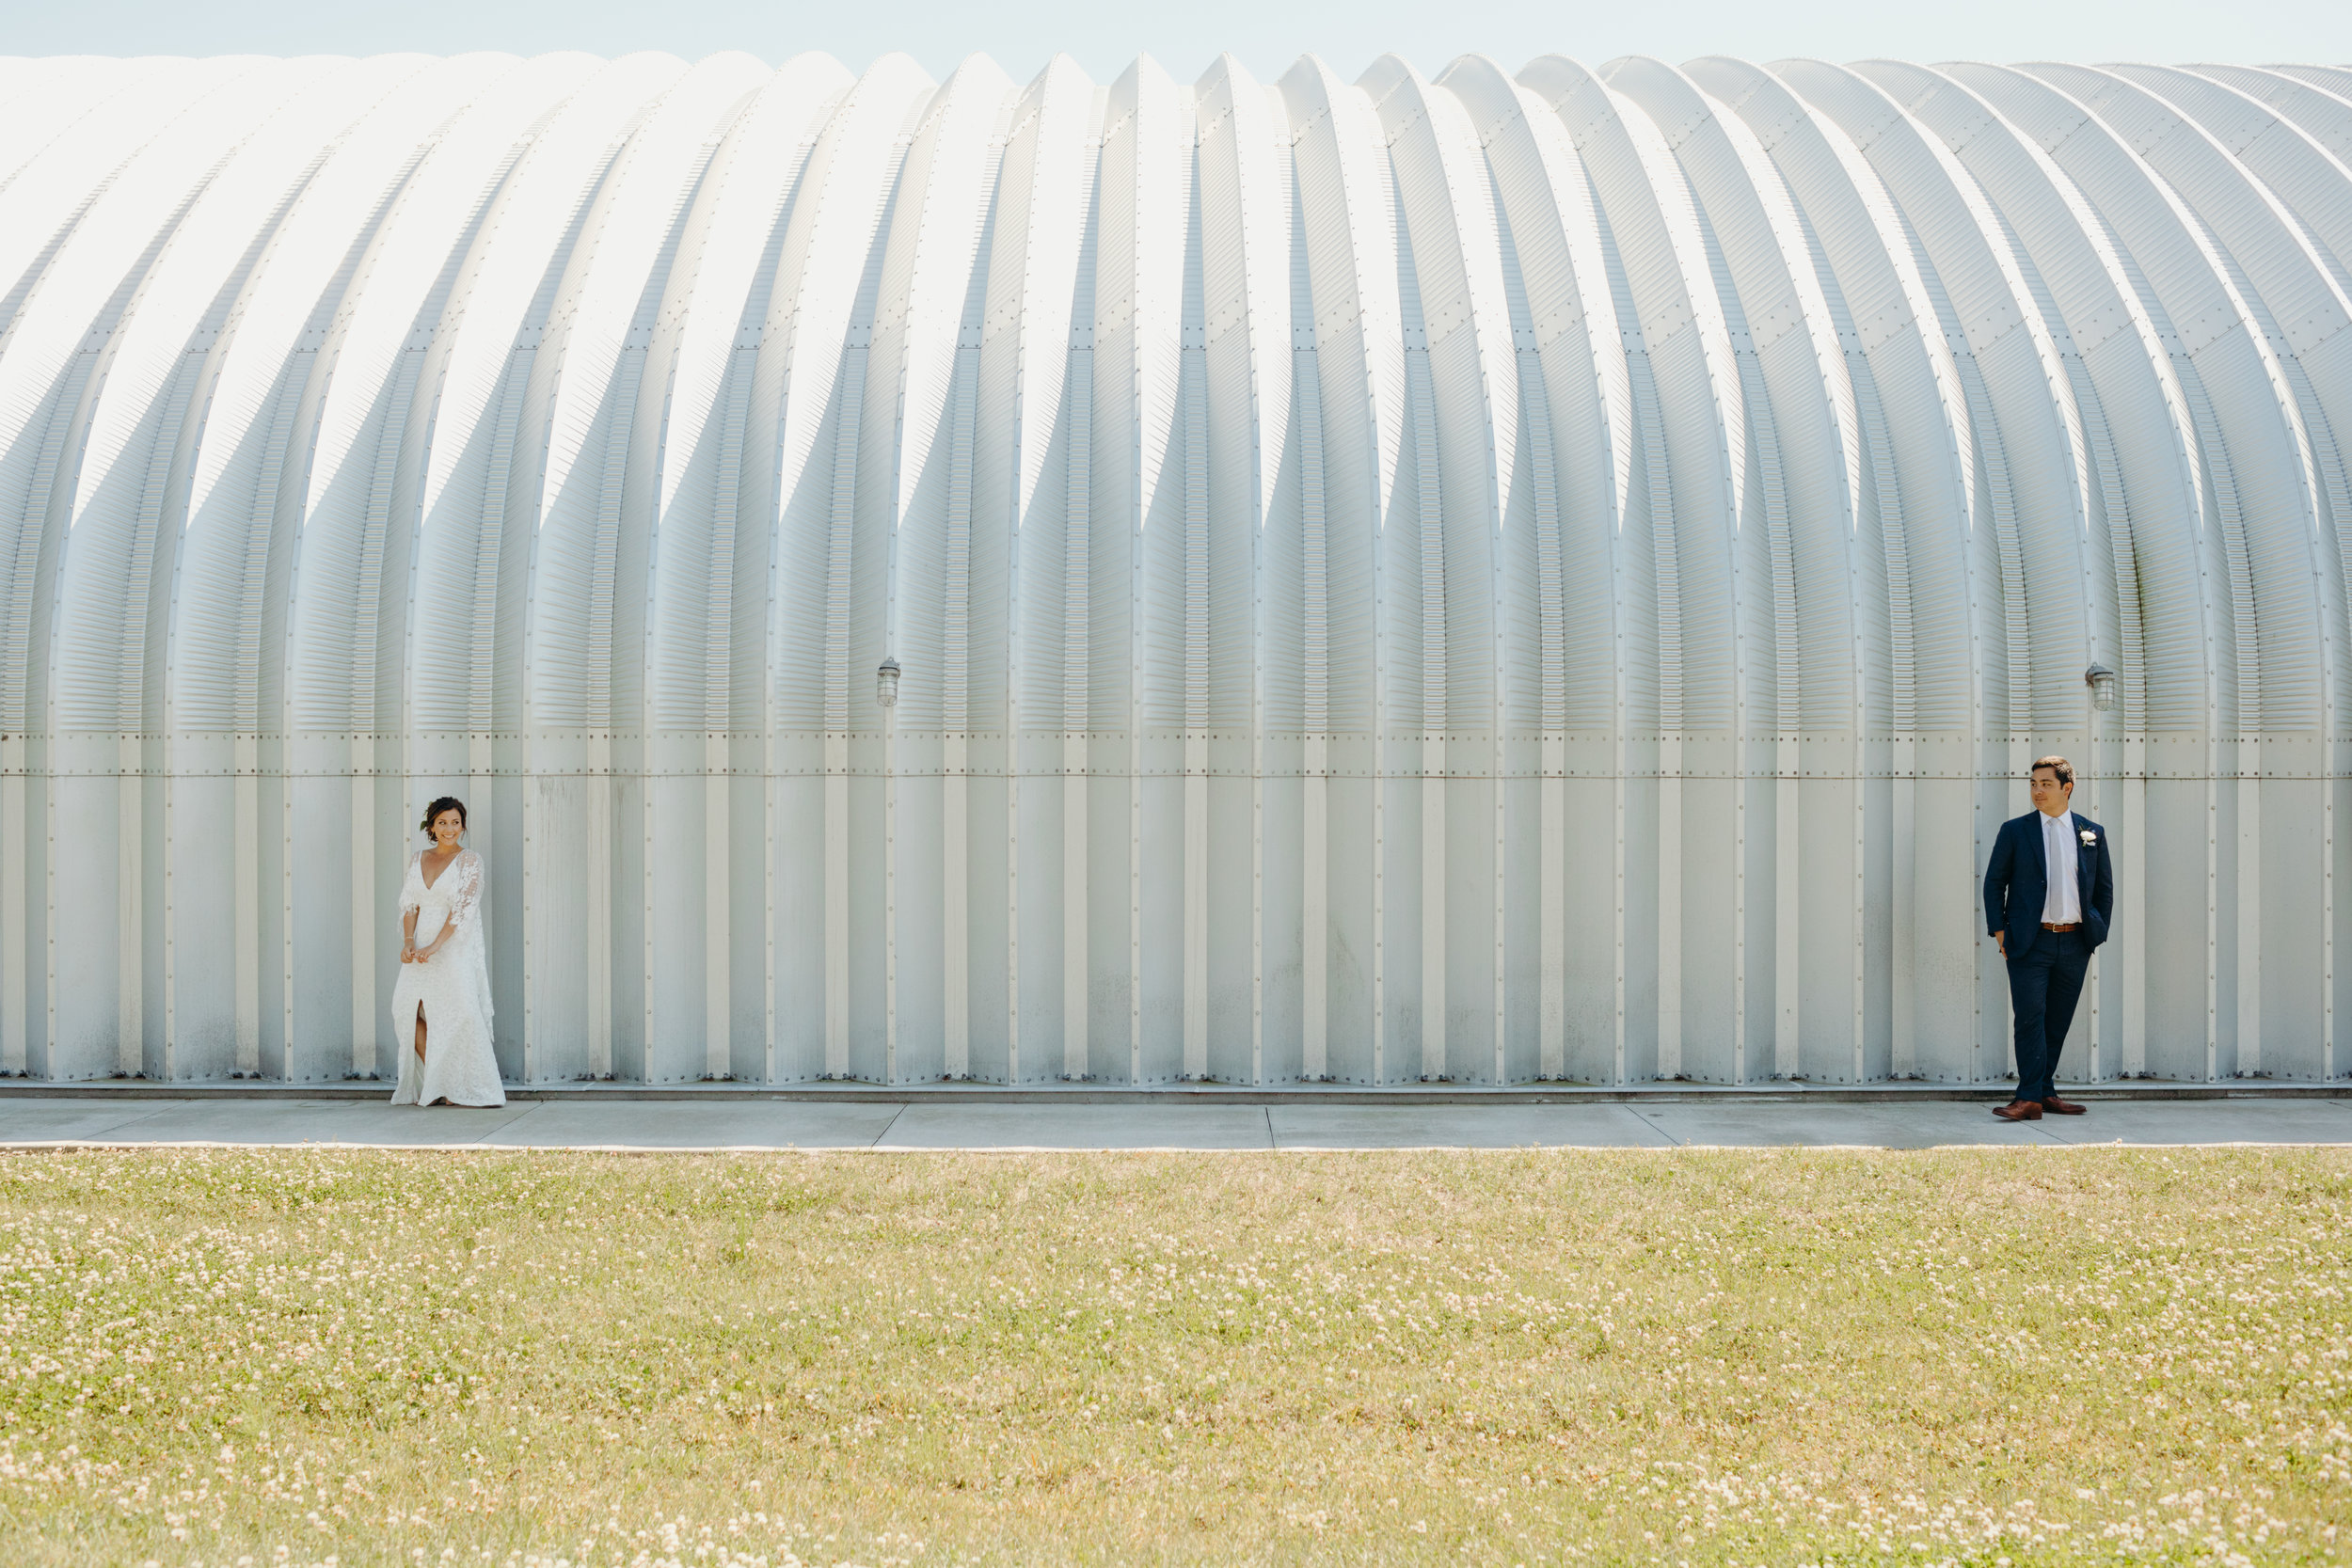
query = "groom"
{"x": 2049, "y": 890}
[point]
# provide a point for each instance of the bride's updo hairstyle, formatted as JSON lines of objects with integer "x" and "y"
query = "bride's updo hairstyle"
{"x": 447, "y": 802}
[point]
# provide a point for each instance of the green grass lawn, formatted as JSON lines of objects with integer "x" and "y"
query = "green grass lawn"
{"x": 1987, "y": 1356}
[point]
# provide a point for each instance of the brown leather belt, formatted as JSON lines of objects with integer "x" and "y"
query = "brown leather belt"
{"x": 2069, "y": 925}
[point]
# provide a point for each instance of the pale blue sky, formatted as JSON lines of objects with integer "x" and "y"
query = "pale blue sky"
{"x": 1186, "y": 34}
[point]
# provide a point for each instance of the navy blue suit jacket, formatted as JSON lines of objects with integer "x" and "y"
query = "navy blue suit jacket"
{"x": 2016, "y": 883}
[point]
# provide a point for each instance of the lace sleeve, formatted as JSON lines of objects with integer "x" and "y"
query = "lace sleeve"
{"x": 408, "y": 903}
{"x": 464, "y": 903}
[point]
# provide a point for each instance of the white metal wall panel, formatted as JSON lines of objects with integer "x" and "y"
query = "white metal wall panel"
{"x": 69, "y": 158}
{"x": 2260, "y": 461}
{"x": 1505, "y": 577}
{"x": 261, "y": 363}
{"x": 107, "y": 491}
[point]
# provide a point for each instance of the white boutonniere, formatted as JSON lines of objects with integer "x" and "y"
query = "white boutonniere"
{"x": 2089, "y": 837}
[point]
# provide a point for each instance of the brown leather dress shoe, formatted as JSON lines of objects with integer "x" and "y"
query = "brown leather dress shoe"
{"x": 2057, "y": 1107}
{"x": 2019, "y": 1110}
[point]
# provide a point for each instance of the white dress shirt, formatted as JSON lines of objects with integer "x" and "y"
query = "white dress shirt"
{"x": 2062, "y": 905}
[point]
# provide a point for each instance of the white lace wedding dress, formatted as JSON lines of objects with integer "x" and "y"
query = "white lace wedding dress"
{"x": 454, "y": 989}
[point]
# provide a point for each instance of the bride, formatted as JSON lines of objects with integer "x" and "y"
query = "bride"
{"x": 445, "y": 983}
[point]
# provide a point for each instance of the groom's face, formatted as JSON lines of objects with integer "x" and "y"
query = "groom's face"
{"x": 2049, "y": 795}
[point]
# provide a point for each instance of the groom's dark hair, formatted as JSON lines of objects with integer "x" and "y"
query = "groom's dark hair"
{"x": 447, "y": 802}
{"x": 2063, "y": 768}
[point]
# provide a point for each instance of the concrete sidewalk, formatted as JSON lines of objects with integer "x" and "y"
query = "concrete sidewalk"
{"x": 743, "y": 1123}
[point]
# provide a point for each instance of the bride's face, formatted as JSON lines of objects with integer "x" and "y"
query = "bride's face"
{"x": 448, "y": 828}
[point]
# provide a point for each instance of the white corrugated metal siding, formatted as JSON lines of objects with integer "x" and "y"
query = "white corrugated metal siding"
{"x": 1485, "y": 577}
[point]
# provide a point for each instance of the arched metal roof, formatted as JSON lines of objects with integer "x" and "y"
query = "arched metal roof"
{"x": 1492, "y": 578}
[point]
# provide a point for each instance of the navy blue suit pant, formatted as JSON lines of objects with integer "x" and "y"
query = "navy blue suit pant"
{"x": 2044, "y": 987}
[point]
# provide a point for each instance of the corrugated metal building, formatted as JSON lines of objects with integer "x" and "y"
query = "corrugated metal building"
{"x": 1493, "y": 579}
